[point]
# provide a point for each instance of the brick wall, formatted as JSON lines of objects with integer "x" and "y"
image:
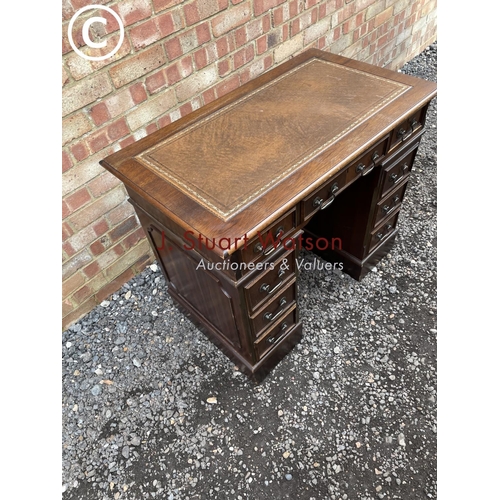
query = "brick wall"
{"x": 176, "y": 56}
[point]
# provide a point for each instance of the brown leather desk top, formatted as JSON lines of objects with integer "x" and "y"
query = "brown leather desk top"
{"x": 231, "y": 167}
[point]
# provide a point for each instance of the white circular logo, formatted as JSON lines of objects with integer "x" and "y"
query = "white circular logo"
{"x": 85, "y": 32}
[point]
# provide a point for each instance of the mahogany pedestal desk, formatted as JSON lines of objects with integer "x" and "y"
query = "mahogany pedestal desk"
{"x": 315, "y": 153}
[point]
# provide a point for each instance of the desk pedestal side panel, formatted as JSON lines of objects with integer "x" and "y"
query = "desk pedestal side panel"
{"x": 215, "y": 303}
{"x": 356, "y": 217}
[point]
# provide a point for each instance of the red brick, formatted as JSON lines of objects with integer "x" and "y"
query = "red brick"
{"x": 75, "y": 126}
{"x": 169, "y": 23}
{"x": 122, "y": 229}
{"x": 152, "y": 127}
{"x": 312, "y": 3}
{"x": 231, "y": 19}
{"x": 127, "y": 142}
{"x": 72, "y": 284}
{"x": 173, "y": 48}
{"x": 163, "y": 121}
{"x": 68, "y": 249}
{"x": 261, "y": 44}
{"x": 99, "y": 114}
{"x": 173, "y": 75}
{"x": 208, "y": 96}
{"x": 155, "y": 82}
{"x": 65, "y": 210}
{"x": 66, "y": 161}
{"x": 102, "y": 184}
{"x": 78, "y": 199}
{"x": 314, "y": 16}
{"x": 268, "y": 62}
{"x": 160, "y": 5}
{"x": 97, "y": 141}
{"x": 243, "y": 56}
{"x": 185, "y": 109}
{"x": 133, "y": 68}
{"x": 261, "y": 6}
{"x": 100, "y": 227}
{"x": 227, "y": 85}
{"x": 200, "y": 58}
{"x": 120, "y": 102}
{"x": 191, "y": 13}
{"x": 144, "y": 34}
{"x": 129, "y": 11}
{"x": 84, "y": 92}
{"x": 203, "y": 33}
{"x": 224, "y": 46}
{"x": 240, "y": 36}
{"x": 383, "y": 16}
{"x": 80, "y": 151}
{"x": 82, "y": 294}
{"x": 97, "y": 248}
{"x": 66, "y": 231}
{"x": 92, "y": 269}
{"x": 224, "y": 67}
{"x": 132, "y": 239}
{"x": 138, "y": 93}
{"x": 118, "y": 129}
{"x": 294, "y": 8}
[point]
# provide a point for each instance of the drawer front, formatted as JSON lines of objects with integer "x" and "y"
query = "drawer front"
{"x": 383, "y": 231}
{"x": 272, "y": 282}
{"x": 367, "y": 161}
{"x": 276, "y": 334}
{"x": 396, "y": 173}
{"x": 407, "y": 129}
{"x": 324, "y": 196}
{"x": 259, "y": 248}
{"x": 274, "y": 310}
{"x": 390, "y": 203}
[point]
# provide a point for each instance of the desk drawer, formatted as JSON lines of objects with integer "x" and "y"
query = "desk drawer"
{"x": 390, "y": 203}
{"x": 383, "y": 231}
{"x": 396, "y": 172}
{"x": 259, "y": 248}
{"x": 276, "y": 334}
{"x": 272, "y": 282}
{"x": 274, "y": 310}
{"x": 367, "y": 161}
{"x": 407, "y": 129}
{"x": 324, "y": 196}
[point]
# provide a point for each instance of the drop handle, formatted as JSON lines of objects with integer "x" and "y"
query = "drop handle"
{"x": 271, "y": 340}
{"x": 388, "y": 209}
{"x": 265, "y": 288}
{"x": 279, "y": 233}
{"x": 268, "y": 316}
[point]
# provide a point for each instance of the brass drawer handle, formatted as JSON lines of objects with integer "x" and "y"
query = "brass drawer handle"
{"x": 334, "y": 188}
{"x": 272, "y": 340}
{"x": 279, "y": 233}
{"x": 375, "y": 157}
{"x": 395, "y": 179}
{"x": 360, "y": 168}
{"x": 388, "y": 209}
{"x": 268, "y": 316}
{"x": 380, "y": 235}
{"x": 318, "y": 202}
{"x": 265, "y": 287}
{"x": 328, "y": 202}
{"x": 367, "y": 171}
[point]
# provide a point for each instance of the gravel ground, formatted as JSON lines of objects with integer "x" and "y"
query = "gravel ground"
{"x": 350, "y": 413}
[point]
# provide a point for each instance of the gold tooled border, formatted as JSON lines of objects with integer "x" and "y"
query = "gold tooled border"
{"x": 145, "y": 159}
